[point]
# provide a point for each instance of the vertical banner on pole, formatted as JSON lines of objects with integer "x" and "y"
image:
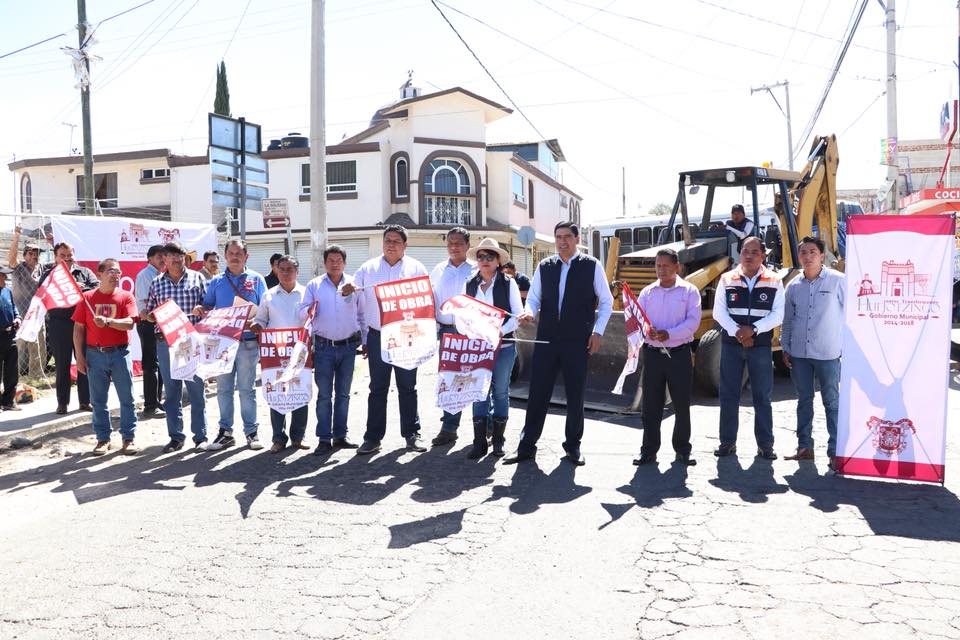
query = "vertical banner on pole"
{"x": 896, "y": 347}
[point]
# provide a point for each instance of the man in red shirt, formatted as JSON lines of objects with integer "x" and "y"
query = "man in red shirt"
{"x": 101, "y": 343}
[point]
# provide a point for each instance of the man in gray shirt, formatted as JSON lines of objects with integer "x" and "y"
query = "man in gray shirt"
{"x": 811, "y": 337}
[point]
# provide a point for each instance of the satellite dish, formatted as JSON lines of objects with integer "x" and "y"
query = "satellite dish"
{"x": 526, "y": 236}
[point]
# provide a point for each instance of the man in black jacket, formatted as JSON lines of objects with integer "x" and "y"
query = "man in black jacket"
{"x": 566, "y": 290}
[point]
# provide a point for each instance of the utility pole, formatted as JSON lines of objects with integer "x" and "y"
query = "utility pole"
{"x": 893, "y": 168}
{"x": 89, "y": 208}
{"x": 786, "y": 90}
{"x": 623, "y": 192}
{"x": 318, "y": 149}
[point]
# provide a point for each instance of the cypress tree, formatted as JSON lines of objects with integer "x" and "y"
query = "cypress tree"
{"x": 221, "y": 103}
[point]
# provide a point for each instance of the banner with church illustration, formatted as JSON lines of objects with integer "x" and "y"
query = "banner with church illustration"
{"x": 181, "y": 338}
{"x": 408, "y": 326}
{"x": 220, "y": 332}
{"x": 465, "y": 372}
{"x": 896, "y": 347}
{"x": 127, "y": 241}
{"x": 286, "y": 368}
{"x": 475, "y": 318}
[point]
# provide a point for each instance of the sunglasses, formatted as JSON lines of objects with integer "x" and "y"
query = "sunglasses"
{"x": 487, "y": 257}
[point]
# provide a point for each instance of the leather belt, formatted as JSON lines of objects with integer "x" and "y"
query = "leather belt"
{"x": 326, "y": 342}
{"x": 106, "y": 349}
{"x": 671, "y": 349}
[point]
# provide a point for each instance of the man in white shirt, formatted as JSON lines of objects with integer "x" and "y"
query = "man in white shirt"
{"x": 391, "y": 265}
{"x": 565, "y": 291}
{"x": 280, "y": 309}
{"x": 448, "y": 279}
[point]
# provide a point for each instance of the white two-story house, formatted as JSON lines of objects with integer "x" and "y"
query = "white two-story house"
{"x": 424, "y": 162}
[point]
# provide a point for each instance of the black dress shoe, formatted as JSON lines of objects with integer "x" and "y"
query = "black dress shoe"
{"x": 61, "y": 410}
{"x": 685, "y": 459}
{"x": 519, "y": 456}
{"x": 323, "y": 448}
{"x": 85, "y": 407}
{"x": 414, "y": 443}
{"x": 343, "y": 443}
{"x": 368, "y": 447}
{"x": 645, "y": 458}
{"x": 766, "y": 454}
{"x": 725, "y": 450}
{"x": 574, "y": 456}
{"x": 444, "y": 437}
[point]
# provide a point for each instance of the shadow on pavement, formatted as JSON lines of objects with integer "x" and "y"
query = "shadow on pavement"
{"x": 530, "y": 488}
{"x": 918, "y": 511}
{"x": 649, "y": 488}
{"x": 754, "y": 484}
{"x": 433, "y": 528}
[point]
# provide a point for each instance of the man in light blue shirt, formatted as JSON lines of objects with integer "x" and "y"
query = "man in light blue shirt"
{"x": 146, "y": 330}
{"x": 448, "y": 279}
{"x": 234, "y": 285}
{"x": 810, "y": 337}
{"x": 336, "y": 337}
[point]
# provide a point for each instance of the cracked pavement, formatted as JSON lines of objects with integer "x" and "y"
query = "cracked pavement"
{"x": 404, "y": 545}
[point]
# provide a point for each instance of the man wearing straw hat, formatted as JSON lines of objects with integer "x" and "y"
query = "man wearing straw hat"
{"x": 566, "y": 290}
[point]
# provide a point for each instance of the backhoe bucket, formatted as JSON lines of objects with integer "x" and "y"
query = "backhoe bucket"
{"x": 603, "y": 369}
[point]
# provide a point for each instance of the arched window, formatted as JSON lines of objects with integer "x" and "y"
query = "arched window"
{"x": 450, "y": 190}
{"x": 26, "y": 194}
{"x": 401, "y": 176}
{"x": 447, "y": 177}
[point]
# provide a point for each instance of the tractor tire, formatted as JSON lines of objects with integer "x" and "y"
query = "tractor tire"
{"x": 706, "y": 369}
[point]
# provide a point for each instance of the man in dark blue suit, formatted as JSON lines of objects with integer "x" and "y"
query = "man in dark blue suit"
{"x": 566, "y": 290}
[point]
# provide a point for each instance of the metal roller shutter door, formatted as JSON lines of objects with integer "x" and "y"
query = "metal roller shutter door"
{"x": 358, "y": 252}
{"x": 429, "y": 256}
{"x": 259, "y": 256}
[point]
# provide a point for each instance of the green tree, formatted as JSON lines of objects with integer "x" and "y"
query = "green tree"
{"x": 221, "y": 103}
{"x": 661, "y": 209}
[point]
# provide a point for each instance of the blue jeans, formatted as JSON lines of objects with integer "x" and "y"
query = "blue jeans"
{"x": 298, "y": 424}
{"x": 380, "y": 373}
{"x": 449, "y": 422}
{"x": 333, "y": 373}
{"x": 498, "y": 398}
{"x": 101, "y": 369}
{"x": 827, "y": 373}
{"x": 242, "y": 378}
{"x": 759, "y": 363}
{"x": 173, "y": 389}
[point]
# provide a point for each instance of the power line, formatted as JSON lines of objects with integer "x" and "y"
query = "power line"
{"x": 862, "y": 113}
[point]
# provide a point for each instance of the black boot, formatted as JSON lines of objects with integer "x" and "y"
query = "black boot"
{"x": 479, "y": 439}
{"x": 499, "y": 428}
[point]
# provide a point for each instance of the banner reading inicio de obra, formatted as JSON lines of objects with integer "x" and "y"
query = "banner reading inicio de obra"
{"x": 408, "y": 328}
{"x": 896, "y": 342}
{"x": 286, "y": 368}
{"x": 466, "y": 368}
{"x": 220, "y": 333}
{"x": 475, "y": 318}
{"x": 58, "y": 291}
{"x": 181, "y": 338}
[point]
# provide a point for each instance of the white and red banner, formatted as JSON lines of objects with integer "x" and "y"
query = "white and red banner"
{"x": 475, "y": 318}
{"x": 220, "y": 332}
{"x": 58, "y": 291}
{"x": 408, "y": 326}
{"x": 637, "y": 326}
{"x": 896, "y": 347}
{"x": 286, "y": 368}
{"x": 182, "y": 338}
{"x": 465, "y": 372}
{"x": 127, "y": 241}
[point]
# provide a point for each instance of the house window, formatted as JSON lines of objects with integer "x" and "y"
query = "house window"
{"x": 447, "y": 193}
{"x": 341, "y": 177}
{"x": 401, "y": 175}
{"x": 26, "y": 194}
{"x": 516, "y": 186}
{"x": 152, "y": 174}
{"x": 104, "y": 190}
{"x": 563, "y": 201}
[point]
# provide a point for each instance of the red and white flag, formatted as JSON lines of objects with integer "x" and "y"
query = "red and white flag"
{"x": 474, "y": 318}
{"x": 58, "y": 291}
{"x": 637, "y": 326}
{"x": 465, "y": 371}
{"x": 408, "y": 326}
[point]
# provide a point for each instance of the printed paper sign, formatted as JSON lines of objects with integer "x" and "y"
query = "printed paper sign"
{"x": 182, "y": 339}
{"x": 220, "y": 333}
{"x": 58, "y": 291}
{"x": 637, "y": 326}
{"x": 475, "y": 318}
{"x": 465, "y": 372}
{"x": 286, "y": 368}
{"x": 408, "y": 328}
{"x": 896, "y": 342}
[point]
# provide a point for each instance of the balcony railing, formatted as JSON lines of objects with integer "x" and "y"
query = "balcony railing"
{"x": 448, "y": 210}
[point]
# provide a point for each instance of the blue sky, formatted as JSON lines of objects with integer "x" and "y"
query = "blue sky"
{"x": 654, "y": 87}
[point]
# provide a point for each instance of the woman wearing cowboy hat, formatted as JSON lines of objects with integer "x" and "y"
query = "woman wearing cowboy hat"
{"x": 492, "y": 286}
